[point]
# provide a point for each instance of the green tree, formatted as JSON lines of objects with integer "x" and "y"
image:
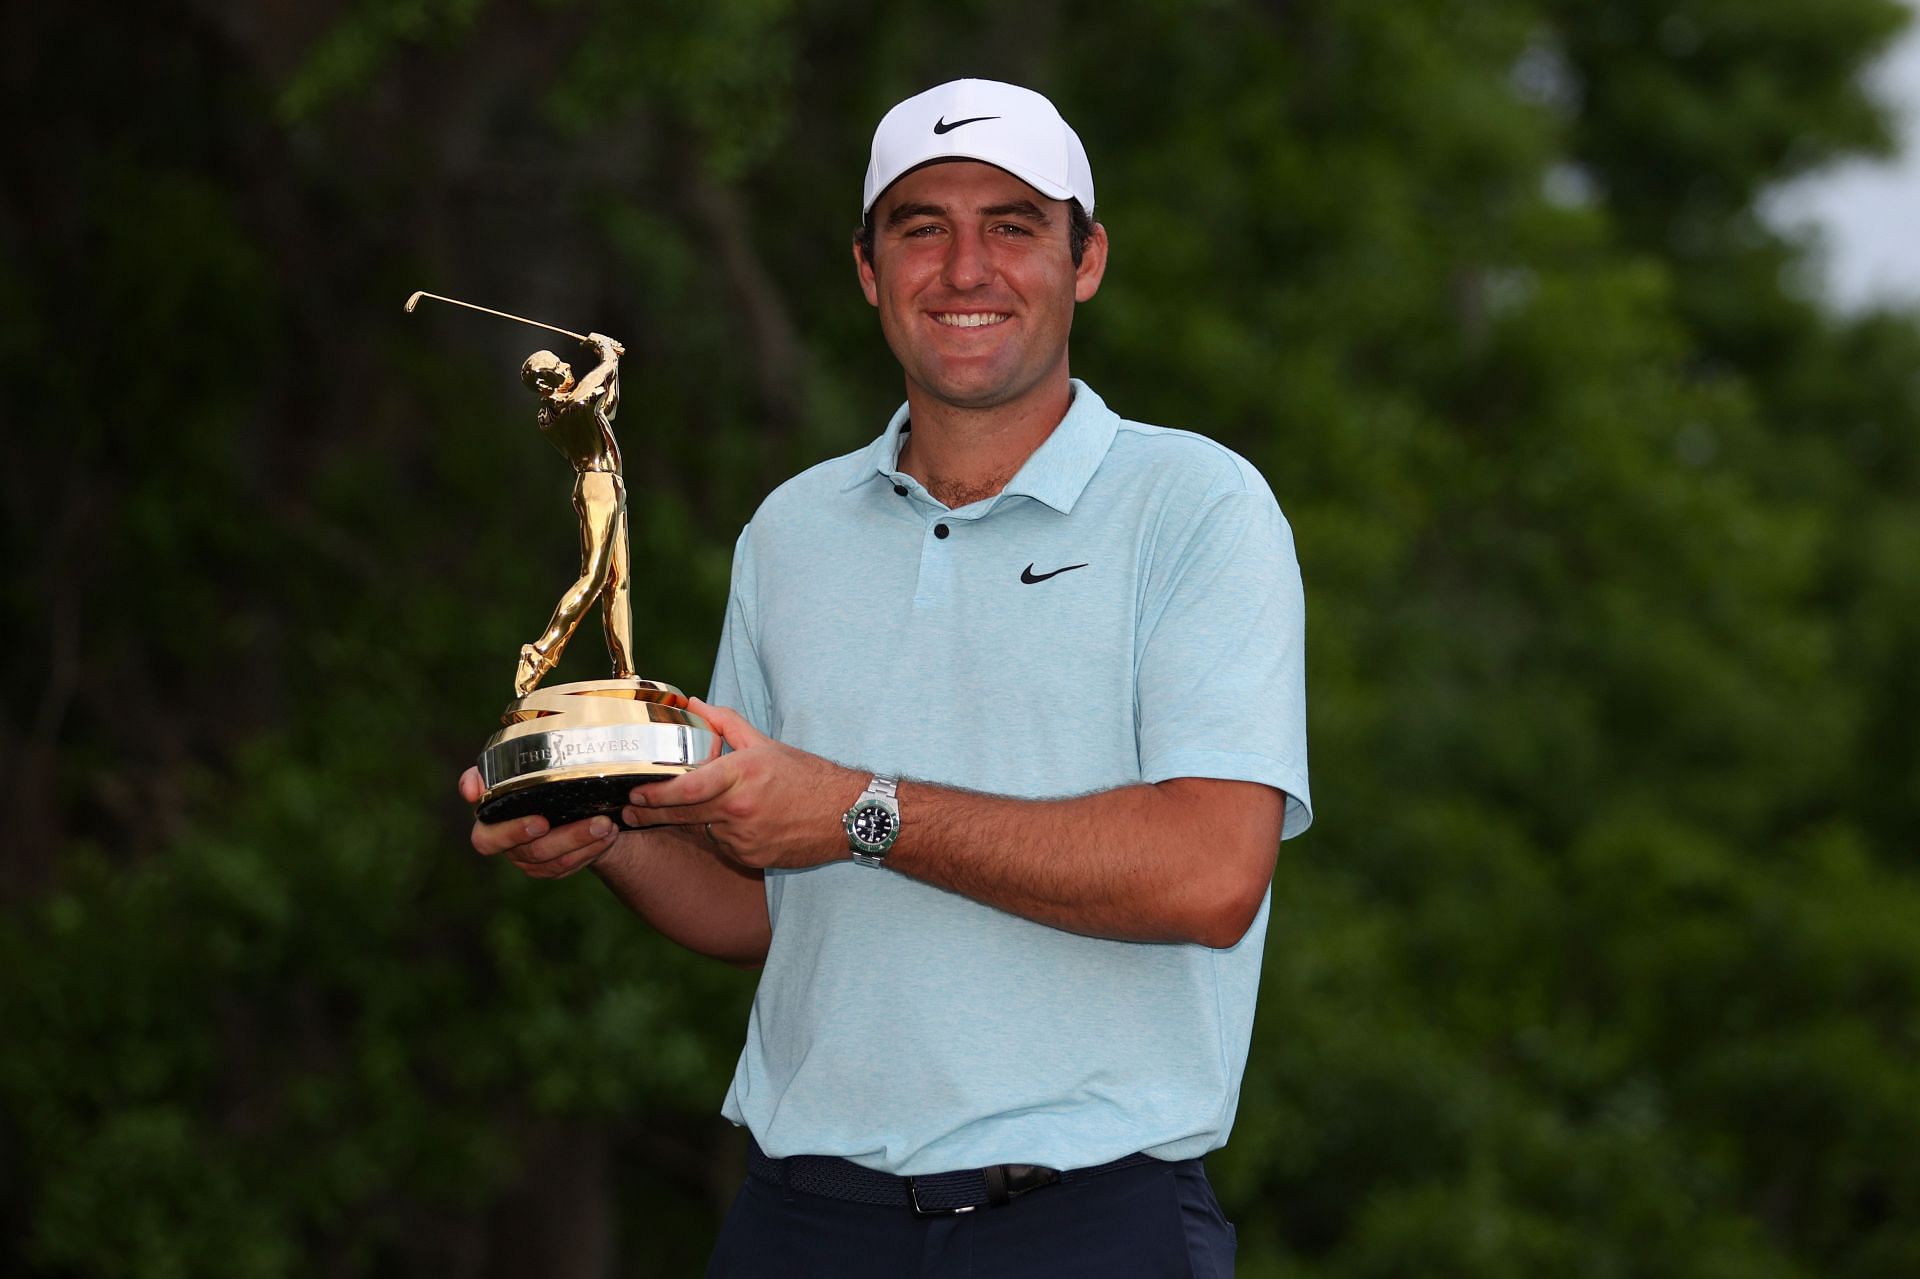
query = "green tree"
{"x": 1599, "y": 959}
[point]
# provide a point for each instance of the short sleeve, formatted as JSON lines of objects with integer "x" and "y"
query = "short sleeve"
{"x": 1221, "y": 654}
{"x": 739, "y": 681}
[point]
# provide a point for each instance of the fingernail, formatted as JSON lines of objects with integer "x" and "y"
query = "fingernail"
{"x": 534, "y": 827}
{"x": 631, "y": 816}
{"x": 639, "y": 797}
{"x": 600, "y": 828}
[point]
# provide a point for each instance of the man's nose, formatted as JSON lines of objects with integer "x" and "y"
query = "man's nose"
{"x": 968, "y": 264}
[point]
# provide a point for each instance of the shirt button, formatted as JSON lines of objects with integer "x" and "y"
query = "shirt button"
{"x": 941, "y": 530}
{"x": 901, "y": 489}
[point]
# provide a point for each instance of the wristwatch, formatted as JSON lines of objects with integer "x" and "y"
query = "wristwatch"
{"x": 873, "y": 823}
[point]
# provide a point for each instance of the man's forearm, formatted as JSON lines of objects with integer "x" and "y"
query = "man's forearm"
{"x": 680, "y": 887}
{"x": 1186, "y": 860}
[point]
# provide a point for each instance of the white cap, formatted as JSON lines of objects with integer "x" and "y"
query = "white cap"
{"x": 1006, "y": 126}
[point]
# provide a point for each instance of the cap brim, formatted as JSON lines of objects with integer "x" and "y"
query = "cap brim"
{"x": 1053, "y": 191}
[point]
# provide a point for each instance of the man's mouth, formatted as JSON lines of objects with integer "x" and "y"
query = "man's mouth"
{"x": 969, "y": 319}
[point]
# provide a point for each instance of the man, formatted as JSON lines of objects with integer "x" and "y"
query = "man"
{"x": 1007, "y": 1007}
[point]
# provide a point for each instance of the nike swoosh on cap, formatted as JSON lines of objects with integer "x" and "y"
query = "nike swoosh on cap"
{"x": 941, "y": 125}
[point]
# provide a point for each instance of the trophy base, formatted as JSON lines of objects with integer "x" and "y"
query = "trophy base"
{"x": 564, "y": 801}
{"x": 575, "y": 751}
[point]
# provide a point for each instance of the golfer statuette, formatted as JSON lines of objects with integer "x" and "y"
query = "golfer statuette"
{"x": 575, "y": 750}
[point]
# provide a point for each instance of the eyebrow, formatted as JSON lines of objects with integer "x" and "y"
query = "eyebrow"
{"x": 1017, "y": 208}
{"x": 908, "y": 212}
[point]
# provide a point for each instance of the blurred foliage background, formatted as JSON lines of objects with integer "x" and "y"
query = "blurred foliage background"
{"x": 1602, "y": 959}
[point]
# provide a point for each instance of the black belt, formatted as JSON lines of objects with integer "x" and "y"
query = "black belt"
{"x": 930, "y": 1196}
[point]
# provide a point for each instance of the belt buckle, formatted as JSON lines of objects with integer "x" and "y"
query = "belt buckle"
{"x": 919, "y": 1210}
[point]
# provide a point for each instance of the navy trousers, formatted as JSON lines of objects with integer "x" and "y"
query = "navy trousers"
{"x": 1151, "y": 1220}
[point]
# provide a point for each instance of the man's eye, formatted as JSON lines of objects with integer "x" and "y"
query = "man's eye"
{"x": 1012, "y": 228}
{"x": 923, "y": 230}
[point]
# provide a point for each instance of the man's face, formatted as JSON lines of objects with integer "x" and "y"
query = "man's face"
{"x": 975, "y": 283}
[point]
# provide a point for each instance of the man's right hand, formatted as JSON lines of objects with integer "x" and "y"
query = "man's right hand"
{"x": 671, "y": 879}
{"x": 527, "y": 842}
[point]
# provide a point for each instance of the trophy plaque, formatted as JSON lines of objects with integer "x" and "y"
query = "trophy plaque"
{"x": 572, "y": 751}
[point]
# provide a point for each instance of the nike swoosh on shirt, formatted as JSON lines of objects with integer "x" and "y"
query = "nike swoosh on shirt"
{"x": 1028, "y": 576}
{"x": 941, "y": 125}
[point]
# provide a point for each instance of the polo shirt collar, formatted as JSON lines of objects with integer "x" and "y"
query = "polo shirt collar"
{"x": 1056, "y": 473}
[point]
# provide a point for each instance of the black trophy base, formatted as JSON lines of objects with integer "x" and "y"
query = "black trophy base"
{"x": 561, "y": 802}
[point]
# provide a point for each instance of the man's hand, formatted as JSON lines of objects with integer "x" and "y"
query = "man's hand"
{"x": 670, "y": 879}
{"x": 763, "y": 804}
{"x": 527, "y": 842}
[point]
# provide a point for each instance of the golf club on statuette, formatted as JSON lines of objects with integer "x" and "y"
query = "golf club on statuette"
{"x": 487, "y": 310}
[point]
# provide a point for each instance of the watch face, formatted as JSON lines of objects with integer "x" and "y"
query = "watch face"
{"x": 873, "y": 823}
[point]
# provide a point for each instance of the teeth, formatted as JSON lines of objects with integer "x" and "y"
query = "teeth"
{"x": 972, "y": 321}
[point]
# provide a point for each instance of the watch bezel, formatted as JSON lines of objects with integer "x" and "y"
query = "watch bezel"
{"x": 865, "y": 851}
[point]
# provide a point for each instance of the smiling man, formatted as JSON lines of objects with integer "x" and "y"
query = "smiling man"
{"x": 1014, "y": 701}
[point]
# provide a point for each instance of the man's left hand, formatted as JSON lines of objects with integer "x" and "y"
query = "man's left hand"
{"x": 764, "y": 803}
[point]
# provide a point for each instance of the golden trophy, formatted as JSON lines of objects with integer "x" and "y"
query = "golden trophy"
{"x": 576, "y": 750}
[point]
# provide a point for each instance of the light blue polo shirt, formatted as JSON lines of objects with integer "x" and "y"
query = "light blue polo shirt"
{"x": 1128, "y": 609}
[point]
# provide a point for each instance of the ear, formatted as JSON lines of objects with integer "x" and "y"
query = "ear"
{"x": 864, "y": 269}
{"x": 1093, "y": 265}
